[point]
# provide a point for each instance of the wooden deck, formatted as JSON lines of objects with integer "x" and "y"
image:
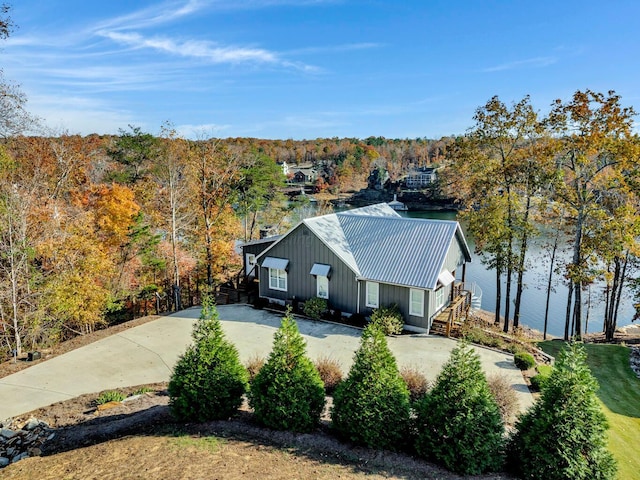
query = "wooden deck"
{"x": 450, "y": 318}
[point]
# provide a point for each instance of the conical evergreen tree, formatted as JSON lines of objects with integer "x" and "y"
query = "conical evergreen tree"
{"x": 208, "y": 381}
{"x": 563, "y": 436}
{"x": 288, "y": 393}
{"x": 458, "y": 422}
{"x": 371, "y": 407}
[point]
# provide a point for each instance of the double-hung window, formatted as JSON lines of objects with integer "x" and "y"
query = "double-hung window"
{"x": 373, "y": 294}
{"x": 416, "y": 302}
{"x": 277, "y": 272}
{"x": 277, "y": 279}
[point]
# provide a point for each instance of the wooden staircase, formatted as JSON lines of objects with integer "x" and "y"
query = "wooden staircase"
{"x": 449, "y": 320}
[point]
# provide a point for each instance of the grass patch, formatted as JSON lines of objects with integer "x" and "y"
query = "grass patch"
{"x": 110, "y": 396}
{"x": 620, "y": 396}
{"x": 204, "y": 444}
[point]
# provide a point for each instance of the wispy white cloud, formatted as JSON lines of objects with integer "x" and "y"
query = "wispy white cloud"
{"x": 194, "y": 48}
{"x": 537, "y": 62}
{"x": 154, "y": 15}
{"x": 206, "y": 50}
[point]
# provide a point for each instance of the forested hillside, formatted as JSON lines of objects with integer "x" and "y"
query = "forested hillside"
{"x": 99, "y": 227}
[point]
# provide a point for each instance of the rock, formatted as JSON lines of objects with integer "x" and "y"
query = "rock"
{"x": 17, "y": 458}
{"x": 16, "y": 445}
{"x": 634, "y": 360}
{"x": 31, "y": 424}
{"x": 108, "y": 405}
{"x": 34, "y": 452}
{"x": 7, "y": 433}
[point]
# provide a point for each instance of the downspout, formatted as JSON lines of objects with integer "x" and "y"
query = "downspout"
{"x": 358, "y": 301}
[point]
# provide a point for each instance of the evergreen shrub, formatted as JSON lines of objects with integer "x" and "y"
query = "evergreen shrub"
{"x": 458, "y": 423}
{"x": 524, "y": 360}
{"x": 208, "y": 381}
{"x": 563, "y": 436}
{"x": 288, "y": 393}
{"x": 315, "y": 308}
{"x": 371, "y": 406}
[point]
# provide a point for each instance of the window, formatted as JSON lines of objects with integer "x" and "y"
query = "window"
{"x": 277, "y": 279}
{"x": 322, "y": 287}
{"x": 251, "y": 264}
{"x": 372, "y": 294}
{"x": 416, "y": 302}
{"x": 439, "y": 297}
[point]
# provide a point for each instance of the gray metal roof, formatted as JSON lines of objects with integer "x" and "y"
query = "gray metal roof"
{"x": 379, "y": 245}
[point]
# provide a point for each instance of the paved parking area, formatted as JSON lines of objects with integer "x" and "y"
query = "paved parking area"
{"x": 148, "y": 352}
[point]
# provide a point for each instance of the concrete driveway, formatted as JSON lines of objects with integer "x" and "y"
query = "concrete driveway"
{"x": 148, "y": 352}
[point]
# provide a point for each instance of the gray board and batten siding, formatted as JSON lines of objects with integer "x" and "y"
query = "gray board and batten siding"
{"x": 370, "y": 244}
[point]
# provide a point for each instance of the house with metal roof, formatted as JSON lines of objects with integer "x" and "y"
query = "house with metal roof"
{"x": 365, "y": 258}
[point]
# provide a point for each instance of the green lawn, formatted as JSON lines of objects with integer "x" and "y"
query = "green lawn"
{"x": 620, "y": 396}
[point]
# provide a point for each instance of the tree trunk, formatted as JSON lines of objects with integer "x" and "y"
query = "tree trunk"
{"x": 549, "y": 283}
{"x": 576, "y": 279}
{"x": 498, "y": 294}
{"x": 13, "y": 272}
{"x": 567, "y": 321}
{"x": 507, "y": 301}
{"x": 521, "y": 264}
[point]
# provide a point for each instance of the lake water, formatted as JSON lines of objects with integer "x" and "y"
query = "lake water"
{"x": 534, "y": 295}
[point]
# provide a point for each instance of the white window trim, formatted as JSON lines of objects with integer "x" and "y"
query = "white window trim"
{"x": 440, "y": 302}
{"x": 321, "y": 279}
{"x": 418, "y": 301}
{"x": 371, "y": 288}
{"x": 277, "y": 275}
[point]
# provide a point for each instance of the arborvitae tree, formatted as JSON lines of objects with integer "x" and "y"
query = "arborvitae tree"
{"x": 208, "y": 381}
{"x": 288, "y": 393}
{"x": 563, "y": 436}
{"x": 458, "y": 422}
{"x": 371, "y": 407}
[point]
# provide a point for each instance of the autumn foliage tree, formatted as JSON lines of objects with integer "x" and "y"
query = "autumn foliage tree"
{"x": 597, "y": 159}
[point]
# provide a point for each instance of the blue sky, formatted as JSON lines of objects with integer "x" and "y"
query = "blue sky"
{"x": 305, "y": 69}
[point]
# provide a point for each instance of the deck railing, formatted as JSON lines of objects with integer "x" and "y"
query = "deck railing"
{"x": 457, "y": 309}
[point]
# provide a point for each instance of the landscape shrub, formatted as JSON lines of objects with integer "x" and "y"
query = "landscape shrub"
{"x": 504, "y": 395}
{"x": 416, "y": 381}
{"x": 330, "y": 373}
{"x": 563, "y": 436}
{"x": 110, "y": 396}
{"x": 315, "y": 308}
{"x": 389, "y": 319}
{"x": 537, "y": 382}
{"x": 458, "y": 423}
{"x": 478, "y": 336}
{"x": 524, "y": 360}
{"x": 288, "y": 393}
{"x": 371, "y": 406}
{"x": 208, "y": 381}
{"x": 253, "y": 366}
